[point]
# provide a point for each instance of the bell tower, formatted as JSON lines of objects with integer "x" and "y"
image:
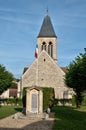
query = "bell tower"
{"x": 47, "y": 39}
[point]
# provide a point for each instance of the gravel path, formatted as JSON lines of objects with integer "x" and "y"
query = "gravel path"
{"x": 26, "y": 123}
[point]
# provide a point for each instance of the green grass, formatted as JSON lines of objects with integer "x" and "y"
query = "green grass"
{"x": 8, "y": 110}
{"x": 69, "y": 118}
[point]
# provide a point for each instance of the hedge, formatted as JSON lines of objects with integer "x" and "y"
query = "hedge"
{"x": 48, "y": 97}
{"x": 11, "y": 101}
{"x": 24, "y": 97}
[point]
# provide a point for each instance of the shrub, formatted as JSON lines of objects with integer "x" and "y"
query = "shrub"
{"x": 73, "y": 101}
{"x": 14, "y": 101}
{"x": 11, "y": 101}
{"x": 48, "y": 98}
{"x": 24, "y": 97}
{"x": 65, "y": 101}
{"x": 19, "y": 101}
{"x": 62, "y": 101}
{"x": 84, "y": 101}
{"x": 3, "y": 100}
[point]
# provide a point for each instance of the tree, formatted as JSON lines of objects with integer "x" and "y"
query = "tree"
{"x": 76, "y": 76}
{"x": 6, "y": 79}
{"x": 14, "y": 85}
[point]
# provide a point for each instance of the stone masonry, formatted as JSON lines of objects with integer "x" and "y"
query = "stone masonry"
{"x": 45, "y": 71}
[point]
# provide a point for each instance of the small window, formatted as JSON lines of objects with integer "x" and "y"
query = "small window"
{"x": 44, "y": 46}
{"x": 50, "y": 49}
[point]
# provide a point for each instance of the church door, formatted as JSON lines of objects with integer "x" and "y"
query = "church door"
{"x": 34, "y": 104}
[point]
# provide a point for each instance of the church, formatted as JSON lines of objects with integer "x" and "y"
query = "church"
{"x": 44, "y": 71}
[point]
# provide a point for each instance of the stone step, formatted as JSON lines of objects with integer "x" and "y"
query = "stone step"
{"x": 36, "y": 115}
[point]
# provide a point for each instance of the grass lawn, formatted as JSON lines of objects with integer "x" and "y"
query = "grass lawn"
{"x": 8, "y": 110}
{"x": 69, "y": 118}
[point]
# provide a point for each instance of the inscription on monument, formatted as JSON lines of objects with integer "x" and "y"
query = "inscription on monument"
{"x": 34, "y": 103}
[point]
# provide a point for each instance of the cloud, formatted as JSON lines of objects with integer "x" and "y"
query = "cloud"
{"x": 10, "y": 15}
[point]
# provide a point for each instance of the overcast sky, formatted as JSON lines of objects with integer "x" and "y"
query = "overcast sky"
{"x": 20, "y": 23}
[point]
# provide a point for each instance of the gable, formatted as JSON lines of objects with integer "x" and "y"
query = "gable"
{"x": 29, "y": 77}
{"x": 49, "y": 72}
{"x": 45, "y": 70}
{"x": 46, "y": 60}
{"x": 34, "y": 88}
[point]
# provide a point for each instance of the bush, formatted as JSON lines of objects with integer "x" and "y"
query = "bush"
{"x": 62, "y": 101}
{"x": 11, "y": 101}
{"x": 73, "y": 101}
{"x": 84, "y": 101}
{"x": 19, "y": 101}
{"x": 15, "y": 101}
{"x": 65, "y": 101}
{"x": 3, "y": 101}
{"x": 48, "y": 98}
{"x": 24, "y": 97}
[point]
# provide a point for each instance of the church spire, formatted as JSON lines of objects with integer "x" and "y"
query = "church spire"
{"x": 47, "y": 39}
{"x": 47, "y": 29}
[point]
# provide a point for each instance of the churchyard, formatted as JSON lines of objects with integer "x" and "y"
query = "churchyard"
{"x": 66, "y": 118}
{"x": 70, "y": 118}
{"x": 6, "y": 111}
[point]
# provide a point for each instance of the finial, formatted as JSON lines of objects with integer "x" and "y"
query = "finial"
{"x": 47, "y": 10}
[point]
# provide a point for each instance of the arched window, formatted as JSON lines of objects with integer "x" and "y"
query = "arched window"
{"x": 44, "y": 46}
{"x": 50, "y": 49}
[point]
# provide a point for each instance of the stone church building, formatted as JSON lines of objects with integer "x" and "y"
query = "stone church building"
{"x": 44, "y": 71}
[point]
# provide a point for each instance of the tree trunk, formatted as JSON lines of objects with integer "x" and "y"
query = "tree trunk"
{"x": 78, "y": 99}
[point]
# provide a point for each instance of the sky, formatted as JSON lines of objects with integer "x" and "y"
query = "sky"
{"x": 20, "y": 23}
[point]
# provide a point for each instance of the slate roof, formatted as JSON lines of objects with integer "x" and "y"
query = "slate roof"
{"x": 47, "y": 29}
{"x": 25, "y": 69}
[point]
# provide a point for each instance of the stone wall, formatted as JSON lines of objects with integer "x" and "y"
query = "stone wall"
{"x": 47, "y": 40}
{"x": 44, "y": 72}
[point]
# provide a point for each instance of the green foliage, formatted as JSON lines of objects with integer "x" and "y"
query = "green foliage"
{"x": 16, "y": 101}
{"x": 63, "y": 101}
{"x": 84, "y": 101}
{"x": 19, "y": 101}
{"x": 9, "y": 110}
{"x": 4, "y": 101}
{"x": 76, "y": 76}
{"x": 69, "y": 118}
{"x": 56, "y": 101}
{"x": 48, "y": 98}
{"x": 69, "y": 101}
{"x": 6, "y": 79}
{"x": 12, "y": 101}
{"x": 73, "y": 101}
{"x": 13, "y": 85}
{"x": 24, "y": 97}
